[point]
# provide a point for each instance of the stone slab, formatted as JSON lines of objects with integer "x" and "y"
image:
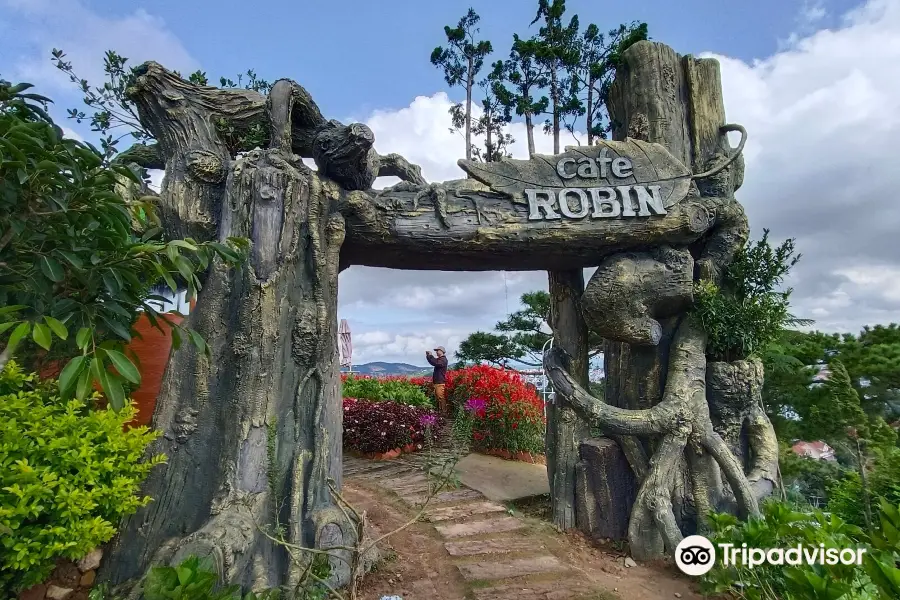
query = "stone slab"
{"x": 423, "y": 487}
{"x": 502, "y": 480}
{"x": 450, "y": 513}
{"x": 479, "y": 527}
{"x": 490, "y": 570}
{"x": 445, "y": 497}
{"x": 498, "y": 546}
{"x": 406, "y": 480}
{"x": 392, "y": 473}
{"x": 542, "y": 591}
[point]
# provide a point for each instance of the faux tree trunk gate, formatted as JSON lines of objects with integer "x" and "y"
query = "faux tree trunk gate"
{"x": 253, "y": 431}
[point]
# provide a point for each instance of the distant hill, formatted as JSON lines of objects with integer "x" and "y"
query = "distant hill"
{"x": 388, "y": 368}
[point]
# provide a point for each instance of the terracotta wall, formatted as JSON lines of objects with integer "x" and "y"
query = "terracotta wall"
{"x": 152, "y": 350}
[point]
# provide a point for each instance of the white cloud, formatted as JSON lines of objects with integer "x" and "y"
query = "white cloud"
{"x": 823, "y": 115}
{"x": 85, "y": 35}
{"x": 72, "y": 134}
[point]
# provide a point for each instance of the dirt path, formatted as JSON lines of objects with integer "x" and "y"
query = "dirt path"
{"x": 470, "y": 547}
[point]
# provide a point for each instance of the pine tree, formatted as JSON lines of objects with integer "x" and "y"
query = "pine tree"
{"x": 495, "y": 116}
{"x": 525, "y": 78}
{"x": 558, "y": 51}
{"x": 599, "y": 55}
{"x": 461, "y": 61}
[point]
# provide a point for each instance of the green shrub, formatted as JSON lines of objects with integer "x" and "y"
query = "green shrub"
{"x": 845, "y": 495}
{"x": 783, "y": 527}
{"x": 68, "y": 475}
{"x": 397, "y": 390}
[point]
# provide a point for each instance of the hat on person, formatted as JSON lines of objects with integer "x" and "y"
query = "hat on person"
{"x": 440, "y": 348}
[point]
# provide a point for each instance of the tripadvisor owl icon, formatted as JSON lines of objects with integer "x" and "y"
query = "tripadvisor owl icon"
{"x": 695, "y": 555}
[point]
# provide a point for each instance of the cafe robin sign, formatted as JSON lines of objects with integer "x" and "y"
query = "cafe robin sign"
{"x": 612, "y": 180}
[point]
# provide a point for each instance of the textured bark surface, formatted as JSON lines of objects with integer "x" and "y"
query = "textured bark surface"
{"x": 734, "y": 393}
{"x": 463, "y": 226}
{"x": 253, "y": 431}
{"x": 630, "y": 291}
{"x": 656, "y": 387}
{"x": 605, "y": 489}
{"x": 564, "y": 428}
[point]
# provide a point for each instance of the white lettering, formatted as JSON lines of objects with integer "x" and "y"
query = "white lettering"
{"x": 536, "y": 205}
{"x": 622, "y": 167}
{"x": 561, "y": 168}
{"x": 603, "y": 160}
{"x": 566, "y": 209}
{"x": 587, "y": 168}
{"x": 848, "y": 556}
{"x": 775, "y": 556}
{"x": 728, "y": 557}
{"x": 792, "y": 556}
{"x": 627, "y": 202}
{"x": 649, "y": 198}
{"x": 604, "y": 203}
{"x": 757, "y": 557}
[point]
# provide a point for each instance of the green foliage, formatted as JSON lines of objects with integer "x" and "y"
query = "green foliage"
{"x": 495, "y": 116}
{"x": 68, "y": 475}
{"x": 845, "y": 496}
{"x": 194, "y": 579}
{"x": 461, "y": 61}
{"x": 521, "y": 336}
{"x": 836, "y": 408}
{"x": 747, "y": 312}
{"x": 811, "y": 478}
{"x": 79, "y": 258}
{"x": 115, "y": 116}
{"x": 783, "y": 527}
{"x": 394, "y": 390}
{"x": 592, "y": 73}
{"x": 557, "y": 51}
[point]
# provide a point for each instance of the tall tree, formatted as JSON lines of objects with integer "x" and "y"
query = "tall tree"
{"x": 461, "y": 62}
{"x": 558, "y": 51}
{"x": 592, "y": 74}
{"x": 495, "y": 116}
{"x": 526, "y": 77}
{"x": 520, "y": 337}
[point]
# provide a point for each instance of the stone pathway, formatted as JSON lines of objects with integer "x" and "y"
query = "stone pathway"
{"x": 492, "y": 550}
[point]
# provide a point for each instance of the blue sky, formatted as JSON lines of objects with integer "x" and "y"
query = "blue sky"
{"x": 817, "y": 84}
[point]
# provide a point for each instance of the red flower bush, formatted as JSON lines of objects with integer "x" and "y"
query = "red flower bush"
{"x": 384, "y": 426}
{"x": 508, "y": 413}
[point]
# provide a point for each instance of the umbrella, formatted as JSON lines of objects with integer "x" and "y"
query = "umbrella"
{"x": 345, "y": 345}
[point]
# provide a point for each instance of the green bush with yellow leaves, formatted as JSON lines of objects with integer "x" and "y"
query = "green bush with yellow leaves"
{"x": 68, "y": 474}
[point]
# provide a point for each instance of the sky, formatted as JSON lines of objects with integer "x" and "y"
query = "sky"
{"x": 816, "y": 83}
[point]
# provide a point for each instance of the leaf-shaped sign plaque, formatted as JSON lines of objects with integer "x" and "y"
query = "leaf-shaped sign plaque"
{"x": 644, "y": 166}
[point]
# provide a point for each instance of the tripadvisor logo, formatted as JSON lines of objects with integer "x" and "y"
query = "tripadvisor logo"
{"x": 695, "y": 555}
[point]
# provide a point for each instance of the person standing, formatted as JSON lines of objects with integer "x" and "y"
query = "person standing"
{"x": 439, "y": 378}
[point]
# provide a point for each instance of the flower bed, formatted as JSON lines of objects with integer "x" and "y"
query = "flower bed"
{"x": 385, "y": 429}
{"x": 508, "y": 415}
{"x": 504, "y": 413}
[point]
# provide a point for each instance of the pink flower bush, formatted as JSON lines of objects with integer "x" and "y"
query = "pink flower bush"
{"x": 376, "y": 427}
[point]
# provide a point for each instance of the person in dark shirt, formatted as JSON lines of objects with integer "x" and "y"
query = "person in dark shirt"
{"x": 439, "y": 378}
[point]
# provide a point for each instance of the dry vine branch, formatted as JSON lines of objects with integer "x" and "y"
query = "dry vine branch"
{"x": 362, "y": 548}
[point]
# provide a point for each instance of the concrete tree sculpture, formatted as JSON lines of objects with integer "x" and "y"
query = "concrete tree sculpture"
{"x": 253, "y": 430}
{"x": 660, "y": 391}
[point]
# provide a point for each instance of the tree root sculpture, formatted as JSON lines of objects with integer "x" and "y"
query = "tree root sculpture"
{"x": 682, "y": 424}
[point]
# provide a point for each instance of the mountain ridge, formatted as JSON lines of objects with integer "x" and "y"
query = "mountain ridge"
{"x": 387, "y": 368}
